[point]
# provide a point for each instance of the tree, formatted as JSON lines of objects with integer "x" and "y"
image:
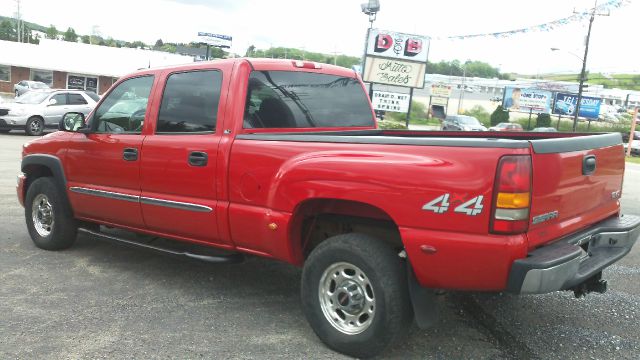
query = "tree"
{"x": 543, "y": 120}
{"x": 499, "y": 115}
{"x": 250, "y": 51}
{"x": 86, "y": 39}
{"x": 8, "y": 31}
{"x": 70, "y": 35}
{"x": 52, "y": 33}
{"x": 158, "y": 44}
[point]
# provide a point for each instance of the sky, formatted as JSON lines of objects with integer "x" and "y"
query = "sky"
{"x": 339, "y": 26}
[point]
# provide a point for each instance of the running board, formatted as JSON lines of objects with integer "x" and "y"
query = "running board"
{"x": 232, "y": 258}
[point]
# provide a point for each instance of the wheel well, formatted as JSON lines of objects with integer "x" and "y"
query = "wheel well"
{"x": 319, "y": 219}
{"x": 36, "y": 116}
{"x": 34, "y": 172}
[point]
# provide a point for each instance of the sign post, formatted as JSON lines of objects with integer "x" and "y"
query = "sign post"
{"x": 633, "y": 130}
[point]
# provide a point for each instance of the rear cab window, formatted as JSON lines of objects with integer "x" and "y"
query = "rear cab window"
{"x": 290, "y": 99}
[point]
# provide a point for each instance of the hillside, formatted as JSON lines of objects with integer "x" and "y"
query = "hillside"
{"x": 621, "y": 81}
{"x": 31, "y": 25}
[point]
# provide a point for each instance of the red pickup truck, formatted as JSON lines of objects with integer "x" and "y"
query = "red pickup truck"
{"x": 283, "y": 159}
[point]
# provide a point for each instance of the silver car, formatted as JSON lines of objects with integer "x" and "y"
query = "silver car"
{"x": 28, "y": 85}
{"x": 36, "y": 110}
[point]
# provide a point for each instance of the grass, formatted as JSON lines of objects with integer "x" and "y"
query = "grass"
{"x": 633, "y": 159}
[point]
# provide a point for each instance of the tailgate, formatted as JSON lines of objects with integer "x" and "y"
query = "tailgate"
{"x": 570, "y": 193}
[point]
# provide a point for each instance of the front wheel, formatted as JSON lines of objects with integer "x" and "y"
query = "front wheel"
{"x": 355, "y": 295}
{"x": 35, "y": 126}
{"x": 48, "y": 215}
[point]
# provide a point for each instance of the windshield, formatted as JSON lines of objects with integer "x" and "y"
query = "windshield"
{"x": 32, "y": 98}
{"x": 468, "y": 121}
{"x": 287, "y": 99}
{"x": 39, "y": 85}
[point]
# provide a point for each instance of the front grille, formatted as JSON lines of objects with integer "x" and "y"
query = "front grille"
{"x": 4, "y": 112}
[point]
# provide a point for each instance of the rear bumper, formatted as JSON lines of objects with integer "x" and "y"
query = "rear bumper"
{"x": 573, "y": 260}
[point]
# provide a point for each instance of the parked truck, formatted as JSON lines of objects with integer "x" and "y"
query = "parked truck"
{"x": 283, "y": 159}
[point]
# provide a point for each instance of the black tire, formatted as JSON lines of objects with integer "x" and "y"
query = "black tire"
{"x": 63, "y": 229}
{"x": 383, "y": 269}
{"x": 4, "y": 131}
{"x": 35, "y": 126}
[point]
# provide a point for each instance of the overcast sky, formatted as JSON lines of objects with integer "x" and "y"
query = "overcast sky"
{"x": 339, "y": 26}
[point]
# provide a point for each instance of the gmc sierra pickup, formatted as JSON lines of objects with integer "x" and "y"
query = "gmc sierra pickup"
{"x": 283, "y": 159}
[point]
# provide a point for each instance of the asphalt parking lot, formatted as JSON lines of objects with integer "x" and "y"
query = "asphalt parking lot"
{"x": 98, "y": 300}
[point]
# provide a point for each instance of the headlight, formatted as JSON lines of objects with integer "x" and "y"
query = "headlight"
{"x": 466, "y": 128}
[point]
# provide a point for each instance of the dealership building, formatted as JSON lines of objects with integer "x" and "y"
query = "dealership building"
{"x": 68, "y": 65}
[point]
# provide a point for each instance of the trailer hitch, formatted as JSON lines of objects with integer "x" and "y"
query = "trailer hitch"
{"x": 593, "y": 284}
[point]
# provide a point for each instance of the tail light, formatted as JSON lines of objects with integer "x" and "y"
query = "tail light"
{"x": 306, "y": 64}
{"x": 512, "y": 195}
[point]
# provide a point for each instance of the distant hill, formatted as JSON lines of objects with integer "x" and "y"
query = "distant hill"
{"x": 32, "y": 26}
{"x": 609, "y": 81}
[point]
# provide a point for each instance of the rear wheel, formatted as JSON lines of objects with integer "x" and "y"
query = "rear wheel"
{"x": 48, "y": 215}
{"x": 35, "y": 126}
{"x": 355, "y": 296}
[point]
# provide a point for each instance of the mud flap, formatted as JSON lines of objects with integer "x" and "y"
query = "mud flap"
{"x": 425, "y": 306}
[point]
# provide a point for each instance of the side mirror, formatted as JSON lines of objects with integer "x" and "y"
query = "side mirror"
{"x": 52, "y": 102}
{"x": 71, "y": 121}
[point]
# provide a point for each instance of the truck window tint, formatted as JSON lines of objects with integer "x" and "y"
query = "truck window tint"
{"x": 190, "y": 102}
{"x": 124, "y": 108}
{"x": 287, "y": 99}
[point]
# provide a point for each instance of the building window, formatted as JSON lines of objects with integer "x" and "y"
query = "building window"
{"x": 82, "y": 82}
{"x": 45, "y": 76}
{"x": 5, "y": 73}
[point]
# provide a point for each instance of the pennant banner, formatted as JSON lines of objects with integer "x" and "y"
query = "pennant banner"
{"x": 577, "y": 17}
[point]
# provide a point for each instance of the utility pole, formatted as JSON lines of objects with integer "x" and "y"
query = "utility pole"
{"x": 19, "y": 22}
{"x": 633, "y": 130}
{"x": 584, "y": 65}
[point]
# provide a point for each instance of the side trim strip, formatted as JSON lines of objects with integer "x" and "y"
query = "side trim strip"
{"x": 175, "y": 204}
{"x": 105, "y": 194}
{"x": 142, "y": 199}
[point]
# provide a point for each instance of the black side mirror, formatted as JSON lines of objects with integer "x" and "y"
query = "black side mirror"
{"x": 71, "y": 121}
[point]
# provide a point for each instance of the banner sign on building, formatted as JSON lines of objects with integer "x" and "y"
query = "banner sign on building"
{"x": 441, "y": 90}
{"x": 217, "y": 40}
{"x": 565, "y": 104}
{"x": 389, "y": 44}
{"x": 394, "y": 72}
{"x": 389, "y": 101}
{"x": 525, "y": 100}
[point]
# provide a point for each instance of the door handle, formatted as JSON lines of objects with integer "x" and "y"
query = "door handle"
{"x": 130, "y": 154}
{"x": 198, "y": 158}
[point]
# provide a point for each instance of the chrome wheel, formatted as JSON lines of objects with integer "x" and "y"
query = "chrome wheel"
{"x": 346, "y": 298}
{"x": 35, "y": 126}
{"x": 42, "y": 215}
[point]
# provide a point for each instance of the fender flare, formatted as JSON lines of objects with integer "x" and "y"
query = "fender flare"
{"x": 54, "y": 164}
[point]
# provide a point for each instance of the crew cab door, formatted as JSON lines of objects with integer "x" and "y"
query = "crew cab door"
{"x": 179, "y": 161}
{"x": 103, "y": 166}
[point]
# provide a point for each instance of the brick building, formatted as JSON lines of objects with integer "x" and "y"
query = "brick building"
{"x": 66, "y": 65}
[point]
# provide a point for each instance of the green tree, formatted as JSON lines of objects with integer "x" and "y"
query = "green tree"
{"x": 499, "y": 115}
{"x": 250, "y": 50}
{"x": 70, "y": 35}
{"x": 86, "y": 39}
{"x": 52, "y": 33}
{"x": 159, "y": 44}
{"x": 8, "y": 31}
{"x": 543, "y": 120}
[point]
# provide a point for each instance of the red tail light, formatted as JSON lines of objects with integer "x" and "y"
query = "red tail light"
{"x": 512, "y": 195}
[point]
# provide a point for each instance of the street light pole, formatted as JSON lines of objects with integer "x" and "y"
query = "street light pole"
{"x": 461, "y": 96}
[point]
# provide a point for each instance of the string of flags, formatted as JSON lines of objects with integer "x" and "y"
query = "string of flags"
{"x": 577, "y": 17}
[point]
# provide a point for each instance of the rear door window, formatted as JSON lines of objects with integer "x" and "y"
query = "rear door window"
{"x": 190, "y": 103}
{"x": 76, "y": 99}
{"x": 288, "y": 99}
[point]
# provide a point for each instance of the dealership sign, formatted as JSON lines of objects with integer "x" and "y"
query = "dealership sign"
{"x": 394, "y": 72}
{"x": 393, "y": 45}
{"x": 565, "y": 104}
{"x": 222, "y": 41}
{"x": 389, "y": 101}
{"x": 535, "y": 100}
{"x": 441, "y": 90}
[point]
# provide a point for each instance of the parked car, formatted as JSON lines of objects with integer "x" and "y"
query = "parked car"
{"x": 462, "y": 123}
{"x": 506, "y": 127}
{"x": 39, "y": 109}
{"x": 28, "y": 85}
{"x": 272, "y": 158}
{"x": 544, "y": 129}
{"x": 496, "y": 98}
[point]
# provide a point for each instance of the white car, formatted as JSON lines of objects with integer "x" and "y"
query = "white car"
{"x": 36, "y": 110}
